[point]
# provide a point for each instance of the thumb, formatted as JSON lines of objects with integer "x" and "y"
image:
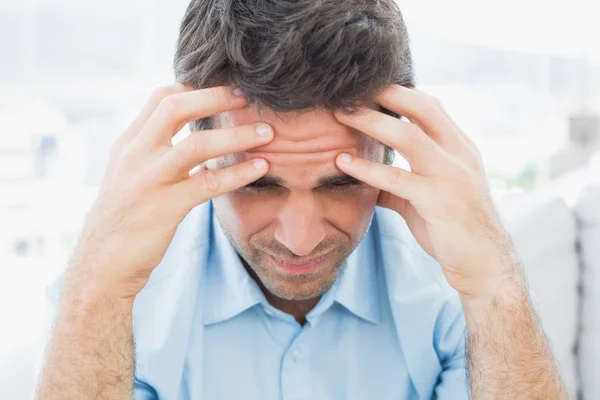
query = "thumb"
{"x": 393, "y": 202}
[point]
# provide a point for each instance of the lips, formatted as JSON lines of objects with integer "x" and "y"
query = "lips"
{"x": 300, "y": 267}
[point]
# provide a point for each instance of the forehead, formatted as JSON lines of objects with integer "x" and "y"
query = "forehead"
{"x": 310, "y": 137}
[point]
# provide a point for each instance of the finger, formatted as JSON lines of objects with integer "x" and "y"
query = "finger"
{"x": 209, "y": 184}
{"x": 398, "y": 181}
{"x": 136, "y": 125}
{"x": 393, "y": 202}
{"x": 467, "y": 140}
{"x": 205, "y": 145}
{"x": 176, "y": 110}
{"x": 427, "y": 112}
{"x": 197, "y": 170}
{"x": 156, "y": 97}
{"x": 422, "y": 153}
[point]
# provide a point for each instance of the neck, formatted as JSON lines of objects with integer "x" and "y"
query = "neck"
{"x": 297, "y": 308}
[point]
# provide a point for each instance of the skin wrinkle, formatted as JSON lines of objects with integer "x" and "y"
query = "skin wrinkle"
{"x": 287, "y": 143}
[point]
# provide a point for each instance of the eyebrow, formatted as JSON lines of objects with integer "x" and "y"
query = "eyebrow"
{"x": 337, "y": 179}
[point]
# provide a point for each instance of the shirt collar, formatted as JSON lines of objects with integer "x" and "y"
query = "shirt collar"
{"x": 358, "y": 287}
{"x": 229, "y": 290}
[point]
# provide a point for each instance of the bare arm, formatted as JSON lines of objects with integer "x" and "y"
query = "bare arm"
{"x": 146, "y": 193}
{"x": 91, "y": 351}
{"x": 445, "y": 200}
{"x": 507, "y": 352}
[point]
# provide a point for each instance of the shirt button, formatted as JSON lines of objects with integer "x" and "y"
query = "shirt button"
{"x": 269, "y": 312}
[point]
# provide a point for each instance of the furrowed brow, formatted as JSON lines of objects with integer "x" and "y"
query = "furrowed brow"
{"x": 340, "y": 179}
{"x": 269, "y": 181}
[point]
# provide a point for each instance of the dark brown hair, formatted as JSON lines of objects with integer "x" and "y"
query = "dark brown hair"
{"x": 290, "y": 55}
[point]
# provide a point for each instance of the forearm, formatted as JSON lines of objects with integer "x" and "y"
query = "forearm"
{"x": 91, "y": 351}
{"x": 508, "y": 354}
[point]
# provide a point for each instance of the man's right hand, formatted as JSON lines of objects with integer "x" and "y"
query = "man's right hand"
{"x": 148, "y": 189}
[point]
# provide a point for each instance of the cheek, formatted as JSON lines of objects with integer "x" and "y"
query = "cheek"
{"x": 351, "y": 212}
{"x": 245, "y": 215}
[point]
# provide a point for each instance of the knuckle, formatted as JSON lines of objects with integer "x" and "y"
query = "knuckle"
{"x": 143, "y": 182}
{"x": 413, "y": 135}
{"x": 478, "y": 157}
{"x": 221, "y": 96}
{"x": 124, "y": 155}
{"x": 196, "y": 145}
{"x": 367, "y": 118}
{"x": 163, "y": 92}
{"x": 169, "y": 105}
{"x": 473, "y": 156}
{"x": 184, "y": 152}
{"x": 237, "y": 175}
{"x": 243, "y": 173}
{"x": 209, "y": 181}
{"x": 434, "y": 101}
{"x": 116, "y": 149}
{"x": 426, "y": 107}
{"x": 397, "y": 176}
{"x": 477, "y": 151}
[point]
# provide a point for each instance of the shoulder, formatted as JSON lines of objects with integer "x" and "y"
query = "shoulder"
{"x": 425, "y": 309}
{"x": 415, "y": 270}
{"x": 417, "y": 288}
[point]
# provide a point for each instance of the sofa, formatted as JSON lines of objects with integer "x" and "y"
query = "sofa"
{"x": 556, "y": 231}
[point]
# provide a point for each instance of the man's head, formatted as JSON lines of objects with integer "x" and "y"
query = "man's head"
{"x": 296, "y": 61}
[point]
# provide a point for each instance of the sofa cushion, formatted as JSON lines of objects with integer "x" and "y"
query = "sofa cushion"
{"x": 587, "y": 211}
{"x": 544, "y": 232}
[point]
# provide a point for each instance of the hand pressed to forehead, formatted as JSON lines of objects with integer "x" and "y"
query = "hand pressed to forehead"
{"x": 301, "y": 139}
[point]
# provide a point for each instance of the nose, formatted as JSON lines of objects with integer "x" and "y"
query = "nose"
{"x": 300, "y": 226}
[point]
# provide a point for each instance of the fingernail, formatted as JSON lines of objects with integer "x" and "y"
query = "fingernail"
{"x": 259, "y": 164}
{"x": 345, "y": 158}
{"x": 238, "y": 92}
{"x": 263, "y": 130}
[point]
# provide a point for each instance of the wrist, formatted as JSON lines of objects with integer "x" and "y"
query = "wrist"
{"x": 88, "y": 290}
{"x": 86, "y": 312}
{"x": 507, "y": 291}
{"x": 496, "y": 273}
{"x": 90, "y": 271}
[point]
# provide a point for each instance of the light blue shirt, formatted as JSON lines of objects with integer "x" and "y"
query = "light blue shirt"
{"x": 389, "y": 328}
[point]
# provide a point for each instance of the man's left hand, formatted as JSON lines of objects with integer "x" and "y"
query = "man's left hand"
{"x": 445, "y": 197}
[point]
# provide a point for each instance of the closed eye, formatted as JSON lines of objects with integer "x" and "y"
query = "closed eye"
{"x": 336, "y": 184}
{"x": 344, "y": 183}
{"x": 259, "y": 184}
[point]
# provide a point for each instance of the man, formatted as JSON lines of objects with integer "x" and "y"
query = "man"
{"x": 267, "y": 272}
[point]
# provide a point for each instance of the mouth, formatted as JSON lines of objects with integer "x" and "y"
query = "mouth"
{"x": 304, "y": 267}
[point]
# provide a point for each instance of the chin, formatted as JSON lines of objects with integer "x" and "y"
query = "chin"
{"x": 295, "y": 285}
{"x": 299, "y": 287}
{"x": 292, "y": 293}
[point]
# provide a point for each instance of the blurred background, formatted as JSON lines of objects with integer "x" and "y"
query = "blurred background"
{"x": 521, "y": 77}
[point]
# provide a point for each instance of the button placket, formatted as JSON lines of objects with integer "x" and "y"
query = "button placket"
{"x": 295, "y": 374}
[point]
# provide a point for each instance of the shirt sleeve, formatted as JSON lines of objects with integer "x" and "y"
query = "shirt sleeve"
{"x": 143, "y": 391}
{"x": 451, "y": 334}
